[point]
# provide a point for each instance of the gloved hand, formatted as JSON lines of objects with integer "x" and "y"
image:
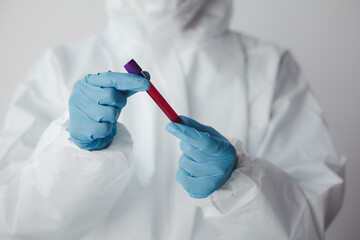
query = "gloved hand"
{"x": 208, "y": 158}
{"x": 95, "y": 105}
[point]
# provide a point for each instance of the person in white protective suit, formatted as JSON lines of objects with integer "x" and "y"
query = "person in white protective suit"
{"x": 286, "y": 181}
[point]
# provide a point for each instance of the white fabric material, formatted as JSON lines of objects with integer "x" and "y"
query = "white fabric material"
{"x": 288, "y": 183}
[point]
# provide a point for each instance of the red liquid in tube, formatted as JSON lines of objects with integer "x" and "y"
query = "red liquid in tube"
{"x": 134, "y": 68}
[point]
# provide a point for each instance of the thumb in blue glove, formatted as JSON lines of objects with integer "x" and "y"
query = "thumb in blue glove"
{"x": 208, "y": 158}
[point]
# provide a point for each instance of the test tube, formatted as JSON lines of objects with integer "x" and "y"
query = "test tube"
{"x": 134, "y": 68}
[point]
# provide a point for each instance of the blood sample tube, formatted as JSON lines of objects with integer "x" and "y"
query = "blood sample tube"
{"x": 134, "y": 68}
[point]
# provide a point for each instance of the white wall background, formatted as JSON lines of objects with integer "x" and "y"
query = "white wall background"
{"x": 324, "y": 35}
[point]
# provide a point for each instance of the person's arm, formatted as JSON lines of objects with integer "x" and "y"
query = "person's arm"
{"x": 291, "y": 186}
{"x": 50, "y": 188}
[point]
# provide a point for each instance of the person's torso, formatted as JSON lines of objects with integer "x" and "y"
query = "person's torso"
{"x": 216, "y": 79}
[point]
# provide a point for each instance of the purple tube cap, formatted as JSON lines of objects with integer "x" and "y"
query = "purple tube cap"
{"x": 133, "y": 67}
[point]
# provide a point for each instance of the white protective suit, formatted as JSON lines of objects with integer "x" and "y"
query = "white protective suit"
{"x": 288, "y": 182}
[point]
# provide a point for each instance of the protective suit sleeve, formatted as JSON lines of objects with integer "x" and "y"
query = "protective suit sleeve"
{"x": 37, "y": 100}
{"x": 66, "y": 192}
{"x": 291, "y": 185}
{"x": 49, "y": 188}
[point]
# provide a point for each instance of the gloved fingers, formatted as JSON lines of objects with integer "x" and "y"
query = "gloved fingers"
{"x": 98, "y": 95}
{"x": 200, "y": 169}
{"x": 200, "y": 140}
{"x": 103, "y": 95}
{"x": 197, "y": 155}
{"x": 203, "y": 128}
{"x": 85, "y": 128}
{"x": 197, "y": 187}
{"x": 120, "y": 81}
{"x": 221, "y": 157}
{"x": 96, "y": 144}
{"x": 94, "y": 111}
{"x": 147, "y": 75}
{"x": 130, "y": 93}
{"x": 113, "y": 97}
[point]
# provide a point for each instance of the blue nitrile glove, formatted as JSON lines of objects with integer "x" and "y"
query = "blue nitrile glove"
{"x": 95, "y": 105}
{"x": 208, "y": 158}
